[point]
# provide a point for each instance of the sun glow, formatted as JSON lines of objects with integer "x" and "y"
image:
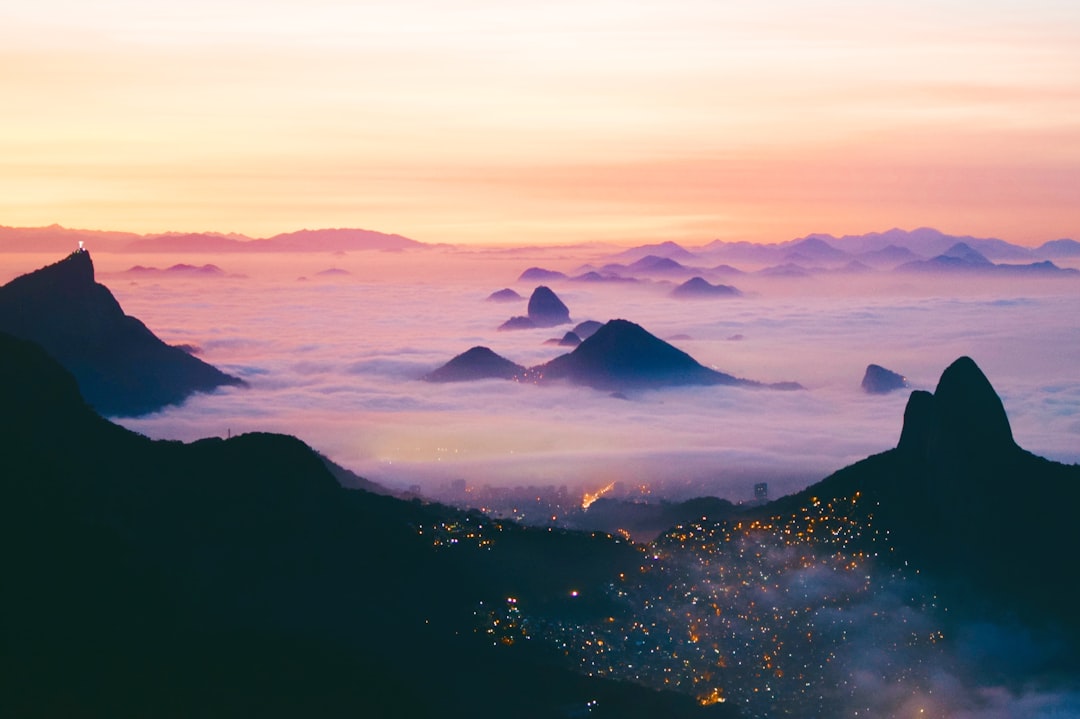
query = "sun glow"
{"x": 497, "y": 122}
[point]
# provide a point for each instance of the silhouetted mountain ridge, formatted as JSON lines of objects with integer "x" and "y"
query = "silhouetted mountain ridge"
{"x": 121, "y": 366}
{"x": 959, "y": 498}
{"x": 232, "y": 577}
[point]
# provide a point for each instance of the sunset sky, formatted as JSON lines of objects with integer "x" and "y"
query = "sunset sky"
{"x": 506, "y": 121}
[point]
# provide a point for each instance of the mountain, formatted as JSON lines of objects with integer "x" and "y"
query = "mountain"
{"x": 888, "y": 256}
{"x": 55, "y": 239}
{"x": 567, "y": 340}
{"x": 655, "y": 265}
{"x": 121, "y": 366}
{"x": 788, "y": 269}
{"x": 926, "y": 242}
{"x": 201, "y": 242}
{"x": 335, "y": 240}
{"x": 207, "y": 270}
{"x": 623, "y": 355}
{"x": 476, "y": 363}
{"x": 813, "y": 249}
{"x": 698, "y": 287}
{"x": 960, "y": 499}
{"x": 1059, "y": 249}
{"x": 878, "y": 380}
{"x": 504, "y": 295}
{"x": 587, "y": 329}
{"x": 238, "y": 578}
{"x": 59, "y": 239}
{"x": 594, "y": 276}
{"x": 618, "y": 355}
{"x": 741, "y": 252}
{"x": 963, "y": 252}
{"x": 545, "y": 310}
{"x": 539, "y": 274}
{"x": 326, "y": 240}
{"x": 670, "y": 250}
{"x": 961, "y": 257}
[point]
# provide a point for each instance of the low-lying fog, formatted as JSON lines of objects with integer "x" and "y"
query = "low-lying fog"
{"x": 335, "y": 358}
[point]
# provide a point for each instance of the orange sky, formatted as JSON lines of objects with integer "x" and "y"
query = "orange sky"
{"x": 505, "y": 121}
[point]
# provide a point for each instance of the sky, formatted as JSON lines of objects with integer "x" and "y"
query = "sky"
{"x": 535, "y": 123}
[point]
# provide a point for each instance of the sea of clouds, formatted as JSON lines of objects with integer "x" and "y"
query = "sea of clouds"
{"x": 336, "y": 360}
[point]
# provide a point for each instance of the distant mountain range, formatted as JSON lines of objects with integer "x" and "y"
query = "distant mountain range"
{"x": 619, "y": 355}
{"x": 121, "y": 366}
{"x": 921, "y": 250}
{"x": 963, "y": 258}
{"x": 881, "y": 250}
{"x": 55, "y": 239}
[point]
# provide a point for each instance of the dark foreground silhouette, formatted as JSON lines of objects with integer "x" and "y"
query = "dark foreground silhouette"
{"x": 237, "y": 578}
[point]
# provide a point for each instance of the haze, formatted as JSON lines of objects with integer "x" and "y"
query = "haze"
{"x": 335, "y": 359}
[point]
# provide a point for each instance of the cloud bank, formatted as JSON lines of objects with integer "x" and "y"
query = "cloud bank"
{"x": 336, "y": 359}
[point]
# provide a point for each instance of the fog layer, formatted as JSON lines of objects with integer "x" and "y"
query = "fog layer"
{"x": 335, "y": 358}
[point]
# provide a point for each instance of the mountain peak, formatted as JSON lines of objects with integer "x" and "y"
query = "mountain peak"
{"x": 473, "y": 364}
{"x": 74, "y": 271}
{"x": 967, "y": 398}
{"x": 623, "y": 354}
{"x": 879, "y": 380}
{"x": 546, "y": 309}
{"x": 122, "y": 368}
{"x": 963, "y": 417}
{"x": 964, "y": 251}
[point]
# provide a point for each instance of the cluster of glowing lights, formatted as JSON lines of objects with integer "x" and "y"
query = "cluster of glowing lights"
{"x": 590, "y": 497}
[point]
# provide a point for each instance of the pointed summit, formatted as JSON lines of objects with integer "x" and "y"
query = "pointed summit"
{"x": 622, "y": 354}
{"x": 964, "y": 417}
{"x": 966, "y": 253}
{"x": 970, "y": 408}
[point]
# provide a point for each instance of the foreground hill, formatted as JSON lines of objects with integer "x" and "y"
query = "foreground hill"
{"x": 121, "y": 366}
{"x": 935, "y": 579}
{"x": 959, "y": 498}
{"x": 237, "y": 578}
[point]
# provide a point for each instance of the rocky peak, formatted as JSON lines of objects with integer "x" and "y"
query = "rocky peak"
{"x": 963, "y": 418}
{"x": 74, "y": 272}
{"x": 879, "y": 380}
{"x": 546, "y": 309}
